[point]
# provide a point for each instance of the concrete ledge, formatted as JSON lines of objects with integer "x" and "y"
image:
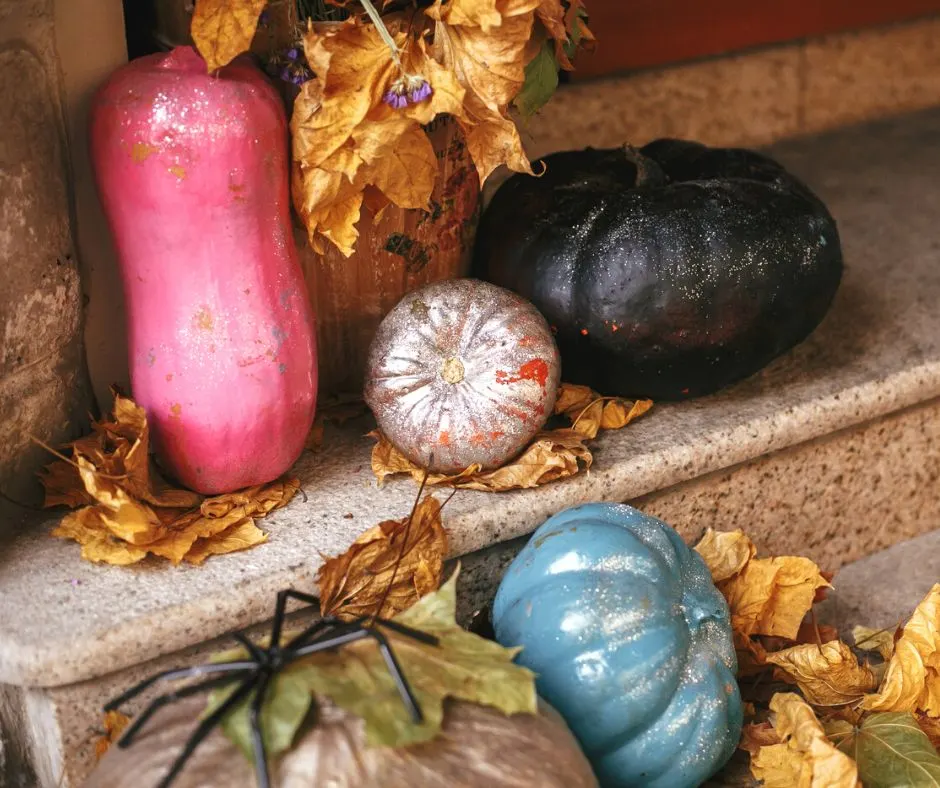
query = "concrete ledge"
{"x": 877, "y": 353}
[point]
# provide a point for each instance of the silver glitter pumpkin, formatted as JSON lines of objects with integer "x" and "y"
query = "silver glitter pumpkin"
{"x": 462, "y": 372}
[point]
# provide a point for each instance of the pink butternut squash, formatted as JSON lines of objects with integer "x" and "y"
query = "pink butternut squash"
{"x": 192, "y": 171}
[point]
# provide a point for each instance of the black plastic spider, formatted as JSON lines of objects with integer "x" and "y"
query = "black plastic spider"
{"x": 255, "y": 674}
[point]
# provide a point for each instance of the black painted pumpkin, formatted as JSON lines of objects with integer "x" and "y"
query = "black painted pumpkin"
{"x": 666, "y": 272}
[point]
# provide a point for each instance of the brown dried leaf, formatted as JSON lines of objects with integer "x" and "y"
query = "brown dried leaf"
{"x": 827, "y": 674}
{"x": 912, "y": 680}
{"x": 63, "y": 486}
{"x": 223, "y": 29}
{"x": 930, "y": 726}
{"x": 99, "y": 545}
{"x": 551, "y": 456}
{"x": 412, "y": 549}
{"x": 757, "y": 735}
{"x": 770, "y": 596}
{"x": 805, "y": 758}
{"x": 725, "y": 553}
{"x": 114, "y": 725}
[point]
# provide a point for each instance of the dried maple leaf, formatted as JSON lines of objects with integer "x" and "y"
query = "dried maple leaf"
{"x": 590, "y": 413}
{"x": 805, "y": 758}
{"x": 223, "y": 29}
{"x": 114, "y": 725}
{"x": 770, "y": 596}
{"x": 880, "y": 640}
{"x": 827, "y": 674}
{"x": 130, "y": 512}
{"x": 491, "y": 67}
{"x": 353, "y": 584}
{"x": 356, "y": 677}
{"x": 912, "y": 680}
{"x": 346, "y": 140}
{"x": 551, "y": 456}
{"x": 725, "y": 553}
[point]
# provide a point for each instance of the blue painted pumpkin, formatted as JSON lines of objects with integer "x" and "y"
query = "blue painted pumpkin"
{"x": 631, "y": 642}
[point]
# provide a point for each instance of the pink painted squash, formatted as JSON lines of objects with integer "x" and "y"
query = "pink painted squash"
{"x": 193, "y": 174}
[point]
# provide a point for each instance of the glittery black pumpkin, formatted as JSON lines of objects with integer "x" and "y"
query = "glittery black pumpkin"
{"x": 667, "y": 272}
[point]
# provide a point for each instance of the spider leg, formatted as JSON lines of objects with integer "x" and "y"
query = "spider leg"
{"x": 178, "y": 673}
{"x": 157, "y": 703}
{"x": 205, "y": 728}
{"x": 257, "y": 738}
{"x": 414, "y": 634}
{"x": 256, "y": 653}
{"x": 401, "y": 683}
{"x": 280, "y": 609}
{"x": 314, "y": 631}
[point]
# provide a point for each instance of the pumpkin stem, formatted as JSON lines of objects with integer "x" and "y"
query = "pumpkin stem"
{"x": 648, "y": 172}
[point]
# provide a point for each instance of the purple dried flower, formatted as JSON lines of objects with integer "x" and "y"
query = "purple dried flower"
{"x": 420, "y": 93}
{"x": 285, "y": 74}
{"x": 264, "y": 18}
{"x": 292, "y": 53}
{"x": 395, "y": 99}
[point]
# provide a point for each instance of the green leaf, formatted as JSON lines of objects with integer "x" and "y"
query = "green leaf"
{"x": 463, "y": 666}
{"x": 891, "y": 751}
{"x": 356, "y": 678}
{"x": 541, "y": 81}
{"x": 287, "y": 702}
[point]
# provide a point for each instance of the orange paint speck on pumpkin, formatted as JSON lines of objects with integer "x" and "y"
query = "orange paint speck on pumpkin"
{"x": 536, "y": 369}
{"x": 444, "y": 439}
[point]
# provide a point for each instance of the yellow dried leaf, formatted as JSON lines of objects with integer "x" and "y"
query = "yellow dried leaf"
{"x": 770, "y": 596}
{"x": 99, "y": 545}
{"x": 475, "y": 13}
{"x": 551, "y": 456}
{"x": 114, "y": 725}
{"x": 223, "y": 29}
{"x": 116, "y": 453}
{"x": 131, "y": 512}
{"x": 880, "y": 640}
{"x": 590, "y": 413}
{"x": 491, "y": 67}
{"x": 406, "y": 172}
{"x": 412, "y": 549}
{"x": 346, "y": 141}
{"x": 725, "y": 553}
{"x": 806, "y": 758}
{"x": 241, "y": 536}
{"x": 827, "y": 674}
{"x": 912, "y": 680}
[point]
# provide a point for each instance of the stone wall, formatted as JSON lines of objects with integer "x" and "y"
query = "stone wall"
{"x": 43, "y": 383}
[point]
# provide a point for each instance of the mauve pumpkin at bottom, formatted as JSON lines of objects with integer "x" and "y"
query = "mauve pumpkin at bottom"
{"x": 631, "y": 642}
{"x": 478, "y": 747}
{"x": 192, "y": 170}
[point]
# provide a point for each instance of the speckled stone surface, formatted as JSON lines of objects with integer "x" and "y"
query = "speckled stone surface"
{"x": 752, "y": 98}
{"x": 834, "y": 499}
{"x": 63, "y": 620}
{"x": 882, "y": 590}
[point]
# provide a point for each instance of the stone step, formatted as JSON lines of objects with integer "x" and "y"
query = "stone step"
{"x": 832, "y": 452}
{"x": 877, "y": 353}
